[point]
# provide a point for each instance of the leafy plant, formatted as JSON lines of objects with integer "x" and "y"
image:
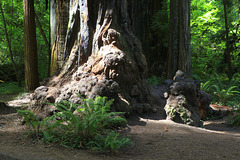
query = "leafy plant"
{"x": 10, "y": 88}
{"x": 76, "y": 125}
{"x": 32, "y": 122}
{"x": 66, "y": 106}
{"x": 225, "y": 91}
{"x": 222, "y": 88}
{"x": 94, "y": 115}
{"x": 207, "y": 86}
{"x": 154, "y": 80}
{"x": 115, "y": 122}
{"x": 112, "y": 142}
{"x": 234, "y": 120}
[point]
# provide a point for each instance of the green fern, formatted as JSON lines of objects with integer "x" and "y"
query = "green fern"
{"x": 226, "y": 91}
{"x": 77, "y": 130}
{"x": 112, "y": 142}
{"x": 234, "y": 119}
{"x": 207, "y": 86}
{"x": 32, "y": 122}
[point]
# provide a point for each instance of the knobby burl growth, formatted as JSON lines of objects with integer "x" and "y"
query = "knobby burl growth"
{"x": 102, "y": 58}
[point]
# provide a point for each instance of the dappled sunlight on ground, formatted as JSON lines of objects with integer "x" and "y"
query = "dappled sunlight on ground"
{"x": 153, "y": 139}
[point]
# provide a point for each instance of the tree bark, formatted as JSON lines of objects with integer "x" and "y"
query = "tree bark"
{"x": 30, "y": 56}
{"x": 179, "y": 46}
{"x": 100, "y": 57}
{"x": 227, "y": 52}
{"x": 53, "y": 21}
{"x": 141, "y": 15}
{"x": 10, "y": 48}
{"x": 62, "y": 25}
{"x": 59, "y": 10}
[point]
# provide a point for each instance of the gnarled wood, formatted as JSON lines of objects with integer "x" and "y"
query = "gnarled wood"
{"x": 111, "y": 59}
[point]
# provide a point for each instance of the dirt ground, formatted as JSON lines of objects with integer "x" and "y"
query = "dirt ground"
{"x": 153, "y": 138}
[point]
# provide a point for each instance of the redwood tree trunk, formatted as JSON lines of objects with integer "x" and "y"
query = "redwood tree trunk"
{"x": 61, "y": 14}
{"x": 100, "y": 56}
{"x": 179, "y": 47}
{"x": 30, "y": 56}
{"x": 53, "y": 21}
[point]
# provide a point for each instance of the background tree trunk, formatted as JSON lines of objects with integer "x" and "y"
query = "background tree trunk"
{"x": 179, "y": 46}
{"x": 227, "y": 52}
{"x": 43, "y": 34}
{"x": 141, "y": 15}
{"x": 30, "y": 56}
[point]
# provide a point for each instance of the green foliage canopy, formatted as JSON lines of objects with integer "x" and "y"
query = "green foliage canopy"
{"x": 208, "y": 35}
{"x": 13, "y": 12}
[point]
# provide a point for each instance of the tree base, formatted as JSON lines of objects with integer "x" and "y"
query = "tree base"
{"x": 109, "y": 73}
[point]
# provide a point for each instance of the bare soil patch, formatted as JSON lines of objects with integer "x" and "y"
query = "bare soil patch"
{"x": 154, "y": 139}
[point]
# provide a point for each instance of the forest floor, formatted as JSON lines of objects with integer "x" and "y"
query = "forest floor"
{"x": 153, "y": 139}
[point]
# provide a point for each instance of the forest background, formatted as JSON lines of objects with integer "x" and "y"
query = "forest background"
{"x": 212, "y": 39}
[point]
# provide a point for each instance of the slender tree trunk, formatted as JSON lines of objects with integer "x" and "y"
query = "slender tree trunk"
{"x": 42, "y": 33}
{"x": 47, "y": 44}
{"x": 227, "y": 52}
{"x": 179, "y": 46}
{"x": 30, "y": 56}
{"x": 10, "y": 48}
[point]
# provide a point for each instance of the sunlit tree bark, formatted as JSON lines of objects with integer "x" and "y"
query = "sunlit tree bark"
{"x": 60, "y": 25}
{"x": 95, "y": 53}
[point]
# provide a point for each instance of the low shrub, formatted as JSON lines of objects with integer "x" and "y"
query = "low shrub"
{"x": 234, "y": 119}
{"x": 10, "y": 88}
{"x": 32, "y": 121}
{"x": 80, "y": 125}
{"x": 223, "y": 91}
{"x": 111, "y": 142}
{"x": 154, "y": 80}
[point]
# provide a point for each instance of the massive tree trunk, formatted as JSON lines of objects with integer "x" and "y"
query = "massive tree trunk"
{"x": 30, "y": 56}
{"x": 179, "y": 49}
{"x": 53, "y": 21}
{"x": 100, "y": 56}
{"x": 57, "y": 58}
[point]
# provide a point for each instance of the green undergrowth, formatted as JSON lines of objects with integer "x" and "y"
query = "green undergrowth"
{"x": 154, "y": 80}
{"x": 234, "y": 118}
{"x": 87, "y": 125}
{"x": 10, "y": 88}
{"x": 225, "y": 91}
